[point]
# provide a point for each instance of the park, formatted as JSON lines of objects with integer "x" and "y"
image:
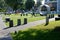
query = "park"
{"x": 30, "y": 20}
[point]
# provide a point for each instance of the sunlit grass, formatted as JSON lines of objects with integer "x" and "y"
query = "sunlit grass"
{"x": 30, "y": 18}
{"x": 51, "y": 25}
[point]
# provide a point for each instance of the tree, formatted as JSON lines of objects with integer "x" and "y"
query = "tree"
{"x": 2, "y": 3}
{"x": 15, "y": 4}
{"x": 29, "y": 4}
{"x": 38, "y": 3}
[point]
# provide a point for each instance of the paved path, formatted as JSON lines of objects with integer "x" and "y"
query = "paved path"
{"x": 2, "y": 25}
{"x": 4, "y": 34}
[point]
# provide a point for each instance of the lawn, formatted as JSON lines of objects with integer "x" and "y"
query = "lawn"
{"x": 39, "y": 32}
{"x": 30, "y": 18}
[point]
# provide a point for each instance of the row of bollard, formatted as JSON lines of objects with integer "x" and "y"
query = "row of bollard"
{"x": 11, "y": 24}
{"x": 24, "y": 14}
{"x": 51, "y": 16}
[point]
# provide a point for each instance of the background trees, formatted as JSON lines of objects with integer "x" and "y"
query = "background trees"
{"x": 15, "y": 4}
{"x": 2, "y": 3}
{"x": 21, "y": 4}
{"x": 29, "y": 4}
{"x": 39, "y": 3}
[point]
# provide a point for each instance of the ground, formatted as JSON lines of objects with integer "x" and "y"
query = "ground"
{"x": 39, "y": 32}
{"x": 30, "y": 18}
{"x": 33, "y": 31}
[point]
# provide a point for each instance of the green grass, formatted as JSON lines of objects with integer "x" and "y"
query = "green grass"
{"x": 30, "y": 18}
{"x": 39, "y": 32}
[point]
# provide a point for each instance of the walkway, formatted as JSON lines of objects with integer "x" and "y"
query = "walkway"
{"x": 2, "y": 26}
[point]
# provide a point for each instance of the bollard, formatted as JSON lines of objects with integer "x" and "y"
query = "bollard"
{"x": 49, "y": 16}
{"x": 58, "y": 15}
{"x": 52, "y": 15}
{"x": 25, "y": 20}
{"x": 47, "y": 21}
{"x": 26, "y": 14}
{"x": 11, "y": 23}
{"x": 21, "y": 14}
{"x": 15, "y": 32}
{"x": 7, "y": 19}
{"x": 18, "y": 22}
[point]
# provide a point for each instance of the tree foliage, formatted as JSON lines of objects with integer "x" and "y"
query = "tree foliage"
{"x": 29, "y": 4}
{"x": 15, "y": 4}
{"x": 38, "y": 3}
{"x": 2, "y": 4}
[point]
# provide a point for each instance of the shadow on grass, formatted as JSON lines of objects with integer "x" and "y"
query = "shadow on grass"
{"x": 33, "y": 34}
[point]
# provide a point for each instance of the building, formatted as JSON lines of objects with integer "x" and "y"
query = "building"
{"x": 53, "y": 5}
{"x": 58, "y": 6}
